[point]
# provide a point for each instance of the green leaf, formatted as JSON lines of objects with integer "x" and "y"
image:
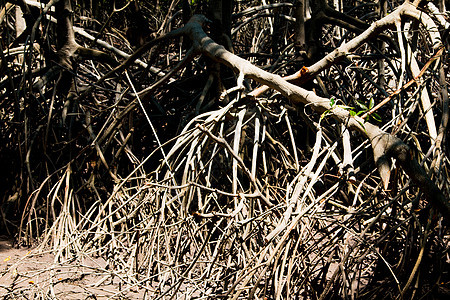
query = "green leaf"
{"x": 332, "y": 101}
{"x": 324, "y": 114}
{"x": 361, "y": 105}
{"x": 376, "y": 117}
{"x": 352, "y": 113}
{"x": 360, "y": 123}
{"x": 345, "y": 107}
{"x": 371, "y": 103}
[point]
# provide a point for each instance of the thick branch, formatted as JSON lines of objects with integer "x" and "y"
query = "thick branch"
{"x": 305, "y": 74}
{"x": 384, "y": 144}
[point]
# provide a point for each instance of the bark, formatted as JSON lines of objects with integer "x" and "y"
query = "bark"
{"x": 384, "y": 145}
{"x": 300, "y": 37}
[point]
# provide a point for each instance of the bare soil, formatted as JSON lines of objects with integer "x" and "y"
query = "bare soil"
{"x": 34, "y": 274}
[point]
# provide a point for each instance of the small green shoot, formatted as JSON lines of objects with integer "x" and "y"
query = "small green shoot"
{"x": 351, "y": 110}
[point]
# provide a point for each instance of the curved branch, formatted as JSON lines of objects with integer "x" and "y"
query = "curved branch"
{"x": 384, "y": 145}
{"x": 307, "y": 73}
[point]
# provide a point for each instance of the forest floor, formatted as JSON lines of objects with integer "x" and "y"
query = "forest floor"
{"x": 29, "y": 274}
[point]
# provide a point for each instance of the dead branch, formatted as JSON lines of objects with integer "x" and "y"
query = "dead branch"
{"x": 384, "y": 145}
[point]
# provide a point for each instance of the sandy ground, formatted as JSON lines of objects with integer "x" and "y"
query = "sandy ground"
{"x": 26, "y": 274}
